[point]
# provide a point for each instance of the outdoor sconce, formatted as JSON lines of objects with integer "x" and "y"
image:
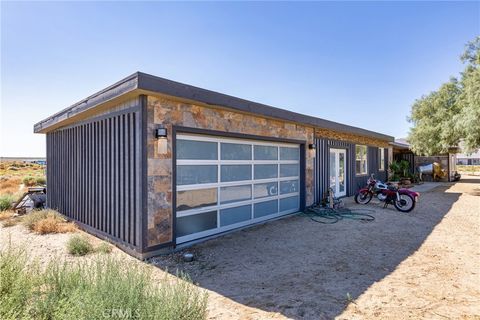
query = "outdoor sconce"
{"x": 161, "y": 132}
{"x": 312, "y": 147}
{"x": 161, "y": 135}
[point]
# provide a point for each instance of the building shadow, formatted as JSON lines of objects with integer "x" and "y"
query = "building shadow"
{"x": 308, "y": 270}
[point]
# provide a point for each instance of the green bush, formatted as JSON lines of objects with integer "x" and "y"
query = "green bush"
{"x": 29, "y": 181}
{"x": 104, "y": 248}
{"x": 40, "y": 181}
{"x": 104, "y": 287}
{"x": 79, "y": 246}
{"x": 6, "y": 201}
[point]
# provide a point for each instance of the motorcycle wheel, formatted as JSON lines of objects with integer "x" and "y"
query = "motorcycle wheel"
{"x": 363, "y": 197}
{"x": 405, "y": 204}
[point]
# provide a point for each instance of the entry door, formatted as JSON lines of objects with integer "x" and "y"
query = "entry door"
{"x": 338, "y": 174}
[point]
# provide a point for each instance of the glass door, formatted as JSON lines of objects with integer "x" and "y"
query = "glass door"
{"x": 337, "y": 174}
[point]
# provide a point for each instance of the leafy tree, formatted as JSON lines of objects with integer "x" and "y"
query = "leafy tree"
{"x": 444, "y": 118}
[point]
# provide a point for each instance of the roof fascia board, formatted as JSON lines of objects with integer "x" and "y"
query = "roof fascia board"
{"x": 191, "y": 93}
{"x": 108, "y": 94}
{"x": 142, "y": 82}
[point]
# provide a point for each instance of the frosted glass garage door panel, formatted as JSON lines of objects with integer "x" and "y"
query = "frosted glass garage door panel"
{"x": 287, "y": 153}
{"x": 266, "y": 208}
{"x": 289, "y": 186}
{"x": 263, "y": 190}
{"x": 196, "y": 223}
{"x": 196, "y": 150}
{"x": 192, "y": 199}
{"x": 265, "y": 171}
{"x": 196, "y": 174}
{"x": 236, "y": 172}
{"x": 289, "y": 170}
{"x": 235, "y": 194}
{"x": 265, "y": 153}
{"x": 235, "y": 215}
{"x": 289, "y": 203}
{"x": 235, "y": 151}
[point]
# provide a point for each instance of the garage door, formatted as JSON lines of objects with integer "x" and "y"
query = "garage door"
{"x": 225, "y": 183}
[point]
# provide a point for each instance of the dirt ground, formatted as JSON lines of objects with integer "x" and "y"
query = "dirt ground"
{"x": 424, "y": 264}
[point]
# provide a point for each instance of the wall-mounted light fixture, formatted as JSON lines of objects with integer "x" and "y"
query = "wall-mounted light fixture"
{"x": 161, "y": 132}
{"x": 161, "y": 135}
{"x": 312, "y": 146}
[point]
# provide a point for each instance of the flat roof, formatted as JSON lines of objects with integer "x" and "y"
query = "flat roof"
{"x": 142, "y": 83}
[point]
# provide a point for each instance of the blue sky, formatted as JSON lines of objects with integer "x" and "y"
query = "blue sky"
{"x": 359, "y": 63}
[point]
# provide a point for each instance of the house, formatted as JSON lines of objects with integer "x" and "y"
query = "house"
{"x": 153, "y": 164}
{"x": 469, "y": 159}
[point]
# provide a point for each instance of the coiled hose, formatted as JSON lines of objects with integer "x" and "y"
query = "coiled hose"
{"x": 328, "y": 215}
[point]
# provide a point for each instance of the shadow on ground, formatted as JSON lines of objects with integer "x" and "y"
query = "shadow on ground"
{"x": 304, "y": 269}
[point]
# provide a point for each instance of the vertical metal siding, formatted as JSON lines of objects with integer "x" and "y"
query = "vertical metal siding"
{"x": 354, "y": 182}
{"x": 93, "y": 174}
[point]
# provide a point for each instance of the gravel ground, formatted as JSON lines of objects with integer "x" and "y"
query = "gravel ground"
{"x": 423, "y": 264}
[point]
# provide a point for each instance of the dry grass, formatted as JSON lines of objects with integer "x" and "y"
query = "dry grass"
{"x": 6, "y": 214}
{"x": 47, "y": 221}
{"x": 10, "y": 222}
{"x": 10, "y": 185}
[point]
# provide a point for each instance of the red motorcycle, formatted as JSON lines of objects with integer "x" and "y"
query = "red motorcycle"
{"x": 403, "y": 199}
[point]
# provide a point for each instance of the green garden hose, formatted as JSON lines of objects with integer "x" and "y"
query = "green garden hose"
{"x": 328, "y": 215}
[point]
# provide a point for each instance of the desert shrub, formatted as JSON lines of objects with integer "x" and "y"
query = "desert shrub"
{"x": 47, "y": 225}
{"x": 40, "y": 181}
{"x": 31, "y": 219}
{"x": 79, "y": 245}
{"x": 29, "y": 181}
{"x": 6, "y": 201}
{"x": 66, "y": 227}
{"x": 104, "y": 248}
{"x": 93, "y": 290}
{"x": 9, "y": 184}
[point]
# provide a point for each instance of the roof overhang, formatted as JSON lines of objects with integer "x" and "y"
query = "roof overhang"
{"x": 142, "y": 83}
{"x": 399, "y": 145}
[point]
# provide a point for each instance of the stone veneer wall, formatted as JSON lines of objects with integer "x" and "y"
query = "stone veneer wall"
{"x": 169, "y": 112}
{"x": 329, "y": 134}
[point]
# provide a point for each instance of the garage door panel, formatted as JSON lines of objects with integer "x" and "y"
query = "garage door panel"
{"x": 197, "y": 150}
{"x": 235, "y": 215}
{"x": 235, "y": 193}
{"x": 196, "y": 223}
{"x": 196, "y": 174}
{"x": 241, "y": 182}
{"x": 262, "y": 209}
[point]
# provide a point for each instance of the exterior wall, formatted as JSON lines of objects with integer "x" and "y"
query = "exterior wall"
{"x": 94, "y": 174}
{"x": 169, "y": 113}
{"x": 340, "y": 136}
{"x": 354, "y": 181}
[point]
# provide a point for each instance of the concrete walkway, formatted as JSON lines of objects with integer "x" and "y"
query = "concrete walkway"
{"x": 428, "y": 186}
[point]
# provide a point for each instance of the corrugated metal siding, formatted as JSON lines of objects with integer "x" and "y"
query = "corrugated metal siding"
{"x": 94, "y": 174}
{"x": 353, "y": 182}
{"x": 323, "y": 163}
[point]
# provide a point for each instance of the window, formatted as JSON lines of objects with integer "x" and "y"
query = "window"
{"x": 361, "y": 160}
{"x": 381, "y": 159}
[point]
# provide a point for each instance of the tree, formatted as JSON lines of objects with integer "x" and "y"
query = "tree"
{"x": 444, "y": 118}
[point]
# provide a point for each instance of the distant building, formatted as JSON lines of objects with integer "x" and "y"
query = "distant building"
{"x": 472, "y": 159}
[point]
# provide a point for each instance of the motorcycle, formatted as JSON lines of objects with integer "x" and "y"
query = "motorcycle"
{"x": 403, "y": 199}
